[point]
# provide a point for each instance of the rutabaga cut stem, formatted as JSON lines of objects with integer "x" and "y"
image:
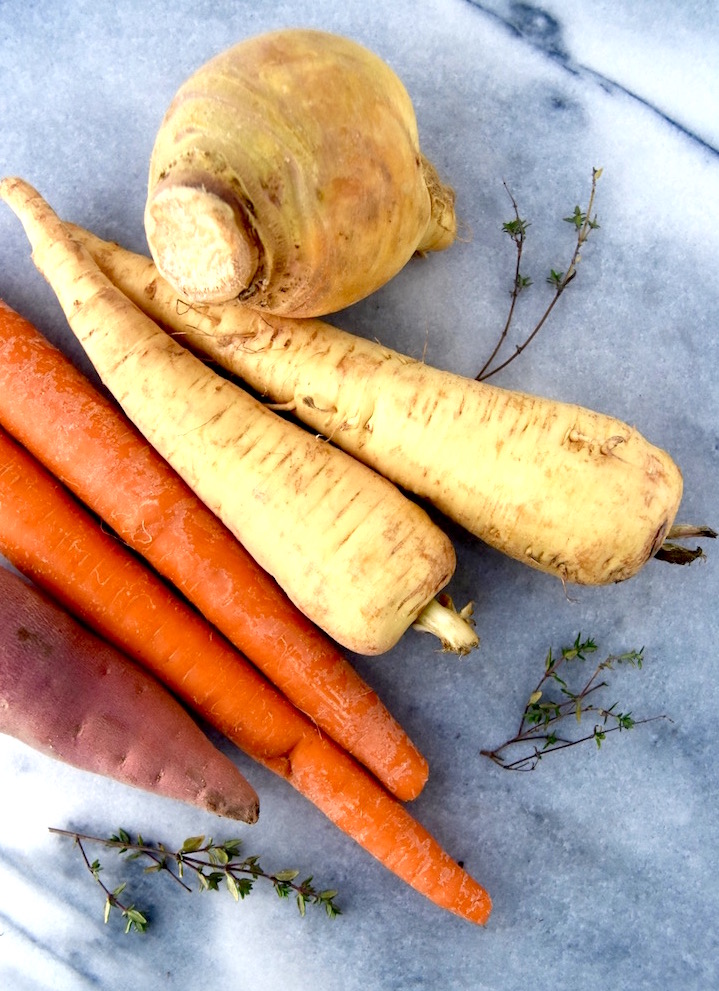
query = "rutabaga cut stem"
{"x": 349, "y": 549}
{"x": 214, "y": 236}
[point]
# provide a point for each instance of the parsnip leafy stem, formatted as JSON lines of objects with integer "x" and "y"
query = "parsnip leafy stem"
{"x": 675, "y": 553}
{"x": 212, "y": 863}
{"x": 538, "y": 735}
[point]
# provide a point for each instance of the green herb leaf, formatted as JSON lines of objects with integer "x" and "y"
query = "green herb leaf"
{"x": 232, "y": 886}
{"x": 288, "y": 875}
{"x": 192, "y": 844}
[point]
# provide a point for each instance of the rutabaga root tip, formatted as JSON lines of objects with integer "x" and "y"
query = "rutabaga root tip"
{"x": 454, "y": 628}
{"x": 442, "y": 228}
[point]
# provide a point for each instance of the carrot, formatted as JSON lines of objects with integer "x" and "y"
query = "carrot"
{"x": 571, "y": 492}
{"x": 353, "y": 553}
{"x": 71, "y": 696}
{"x": 288, "y": 170}
{"x": 84, "y": 439}
{"x": 54, "y": 541}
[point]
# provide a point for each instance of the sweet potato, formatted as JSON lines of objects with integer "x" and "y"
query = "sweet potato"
{"x": 72, "y": 696}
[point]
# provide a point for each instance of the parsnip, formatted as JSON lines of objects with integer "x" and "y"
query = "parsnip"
{"x": 567, "y": 490}
{"x": 352, "y": 552}
{"x": 287, "y": 171}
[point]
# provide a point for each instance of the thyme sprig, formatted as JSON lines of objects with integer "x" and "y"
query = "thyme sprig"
{"x": 537, "y": 734}
{"x": 213, "y": 864}
{"x": 584, "y": 222}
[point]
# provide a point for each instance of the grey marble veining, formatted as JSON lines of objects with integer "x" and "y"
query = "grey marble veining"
{"x": 646, "y": 50}
{"x": 602, "y": 864}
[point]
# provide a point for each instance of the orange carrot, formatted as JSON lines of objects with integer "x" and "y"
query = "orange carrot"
{"x": 53, "y": 540}
{"x": 85, "y": 440}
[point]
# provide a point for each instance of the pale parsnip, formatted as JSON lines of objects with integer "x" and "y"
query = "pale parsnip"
{"x": 567, "y": 490}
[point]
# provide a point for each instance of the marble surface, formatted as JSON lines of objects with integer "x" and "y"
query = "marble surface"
{"x": 602, "y": 864}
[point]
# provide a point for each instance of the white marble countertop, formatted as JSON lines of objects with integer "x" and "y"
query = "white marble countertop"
{"x": 602, "y": 864}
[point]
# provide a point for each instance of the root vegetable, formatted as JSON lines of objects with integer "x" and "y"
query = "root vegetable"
{"x": 287, "y": 171}
{"x": 354, "y": 554}
{"x": 73, "y": 697}
{"x": 48, "y": 536}
{"x": 569, "y": 491}
{"x": 84, "y": 439}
